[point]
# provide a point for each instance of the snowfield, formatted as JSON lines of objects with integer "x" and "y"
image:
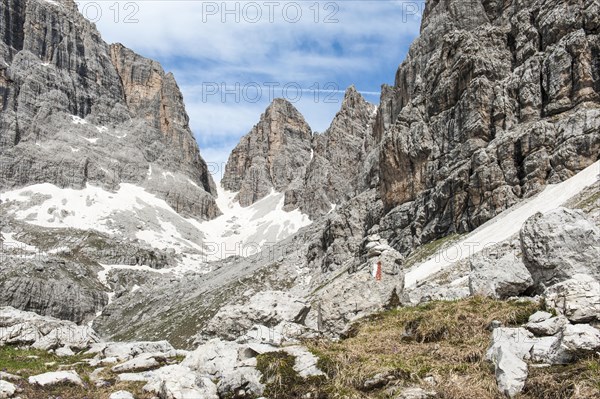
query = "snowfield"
{"x": 133, "y": 213}
{"x": 504, "y": 225}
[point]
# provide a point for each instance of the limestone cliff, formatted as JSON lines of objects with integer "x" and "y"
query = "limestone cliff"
{"x": 76, "y": 110}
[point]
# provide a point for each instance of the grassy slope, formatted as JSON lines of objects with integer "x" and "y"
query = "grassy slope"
{"x": 445, "y": 341}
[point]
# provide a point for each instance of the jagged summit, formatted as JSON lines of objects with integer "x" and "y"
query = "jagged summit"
{"x": 313, "y": 171}
{"x": 271, "y": 156}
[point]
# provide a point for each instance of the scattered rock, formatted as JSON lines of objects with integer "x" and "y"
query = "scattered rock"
{"x": 64, "y": 351}
{"x": 128, "y": 350}
{"x": 42, "y": 332}
{"x": 511, "y": 370}
{"x": 141, "y": 363}
{"x": 416, "y": 393}
{"x": 578, "y": 298}
{"x": 7, "y": 390}
{"x": 9, "y": 377}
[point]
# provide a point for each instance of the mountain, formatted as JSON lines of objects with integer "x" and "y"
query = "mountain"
{"x": 493, "y": 101}
{"x": 477, "y": 175}
{"x": 281, "y": 153}
{"x": 78, "y": 111}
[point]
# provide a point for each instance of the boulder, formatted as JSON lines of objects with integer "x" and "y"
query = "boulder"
{"x": 355, "y": 295}
{"x": 559, "y": 244}
{"x": 577, "y": 298}
{"x": 498, "y": 274}
{"x": 539, "y": 316}
{"x": 519, "y": 340}
{"x": 143, "y": 362}
{"x": 263, "y": 308}
{"x": 215, "y": 358}
{"x": 56, "y": 377}
{"x": 64, "y": 351}
{"x": 511, "y": 370}
{"x": 179, "y": 382}
{"x": 580, "y": 339}
{"x": 549, "y": 326}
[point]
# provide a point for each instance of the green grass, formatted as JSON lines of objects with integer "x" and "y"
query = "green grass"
{"x": 282, "y": 381}
{"x": 589, "y": 201}
{"x": 28, "y": 362}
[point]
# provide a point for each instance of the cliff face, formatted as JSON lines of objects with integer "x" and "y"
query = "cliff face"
{"x": 76, "y": 110}
{"x": 495, "y": 100}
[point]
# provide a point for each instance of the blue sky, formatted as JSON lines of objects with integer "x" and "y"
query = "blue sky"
{"x": 231, "y": 58}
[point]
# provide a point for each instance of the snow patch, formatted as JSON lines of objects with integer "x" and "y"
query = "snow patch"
{"x": 92, "y": 140}
{"x": 77, "y": 120}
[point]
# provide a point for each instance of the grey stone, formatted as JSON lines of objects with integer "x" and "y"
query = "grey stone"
{"x": 416, "y": 393}
{"x": 42, "y": 332}
{"x": 121, "y": 395}
{"x": 498, "y": 273}
{"x": 547, "y": 327}
{"x": 559, "y": 244}
{"x": 56, "y": 377}
{"x": 539, "y": 316}
{"x": 7, "y": 389}
{"x": 577, "y": 298}
{"x": 511, "y": 370}
{"x": 141, "y": 363}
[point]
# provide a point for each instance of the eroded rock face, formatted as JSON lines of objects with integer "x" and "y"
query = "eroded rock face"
{"x": 334, "y": 174}
{"x": 491, "y": 104}
{"x": 51, "y": 287}
{"x": 77, "y": 111}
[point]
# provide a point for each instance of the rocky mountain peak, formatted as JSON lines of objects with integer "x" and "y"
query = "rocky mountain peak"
{"x": 271, "y": 156}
